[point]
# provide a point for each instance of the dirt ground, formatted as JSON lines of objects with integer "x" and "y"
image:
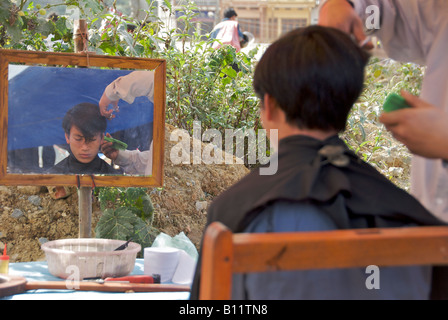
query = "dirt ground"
{"x": 30, "y": 216}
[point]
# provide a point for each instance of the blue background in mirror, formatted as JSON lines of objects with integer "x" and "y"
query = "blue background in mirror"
{"x": 39, "y": 97}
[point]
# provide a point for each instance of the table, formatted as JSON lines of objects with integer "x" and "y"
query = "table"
{"x": 38, "y": 271}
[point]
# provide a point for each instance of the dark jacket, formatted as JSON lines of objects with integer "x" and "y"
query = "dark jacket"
{"x": 330, "y": 177}
{"x": 71, "y": 165}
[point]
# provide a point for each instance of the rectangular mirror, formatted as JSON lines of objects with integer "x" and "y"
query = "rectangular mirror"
{"x": 52, "y": 129}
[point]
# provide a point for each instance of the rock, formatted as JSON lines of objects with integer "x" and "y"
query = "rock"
{"x": 29, "y": 190}
{"x": 17, "y": 213}
{"x": 201, "y": 205}
{"x": 5, "y": 190}
{"x": 43, "y": 240}
{"x": 34, "y": 200}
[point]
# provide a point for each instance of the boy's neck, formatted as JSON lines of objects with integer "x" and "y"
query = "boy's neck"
{"x": 287, "y": 131}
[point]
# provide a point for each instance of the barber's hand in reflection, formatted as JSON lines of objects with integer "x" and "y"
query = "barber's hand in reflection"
{"x": 108, "y": 150}
{"x": 422, "y": 128}
{"x": 341, "y": 15}
{"x": 104, "y": 103}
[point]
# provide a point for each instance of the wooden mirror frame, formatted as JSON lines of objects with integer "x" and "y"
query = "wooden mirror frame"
{"x": 85, "y": 60}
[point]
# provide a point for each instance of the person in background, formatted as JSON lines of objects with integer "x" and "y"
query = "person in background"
{"x": 320, "y": 184}
{"x": 228, "y": 31}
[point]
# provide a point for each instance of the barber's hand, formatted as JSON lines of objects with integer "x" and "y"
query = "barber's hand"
{"x": 340, "y": 14}
{"x": 423, "y": 128}
{"x": 104, "y": 103}
{"x": 108, "y": 150}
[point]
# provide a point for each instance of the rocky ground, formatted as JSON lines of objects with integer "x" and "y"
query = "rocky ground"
{"x": 29, "y": 215}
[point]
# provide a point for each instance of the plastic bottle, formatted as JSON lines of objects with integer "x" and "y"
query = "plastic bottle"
{"x": 4, "y": 262}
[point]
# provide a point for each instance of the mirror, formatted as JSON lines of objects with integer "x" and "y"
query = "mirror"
{"x": 53, "y": 129}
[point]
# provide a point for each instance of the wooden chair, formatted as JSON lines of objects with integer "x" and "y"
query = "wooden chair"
{"x": 225, "y": 253}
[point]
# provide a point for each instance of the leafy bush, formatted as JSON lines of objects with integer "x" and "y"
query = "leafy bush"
{"x": 27, "y": 26}
{"x": 127, "y": 215}
{"x": 366, "y": 135}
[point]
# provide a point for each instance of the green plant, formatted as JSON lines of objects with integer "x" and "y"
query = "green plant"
{"x": 30, "y": 26}
{"x": 366, "y": 135}
{"x": 204, "y": 84}
{"x": 127, "y": 214}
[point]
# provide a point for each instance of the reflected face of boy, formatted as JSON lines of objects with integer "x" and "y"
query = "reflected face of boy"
{"x": 84, "y": 150}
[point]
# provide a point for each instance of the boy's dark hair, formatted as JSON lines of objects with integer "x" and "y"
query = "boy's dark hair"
{"x": 315, "y": 74}
{"x": 87, "y": 117}
{"x": 229, "y": 13}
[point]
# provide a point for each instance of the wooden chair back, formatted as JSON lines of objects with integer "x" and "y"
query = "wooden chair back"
{"x": 225, "y": 253}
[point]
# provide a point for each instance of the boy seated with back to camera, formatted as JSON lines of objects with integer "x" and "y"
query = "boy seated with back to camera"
{"x": 307, "y": 82}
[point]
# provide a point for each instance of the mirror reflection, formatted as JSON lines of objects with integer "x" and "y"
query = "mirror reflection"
{"x": 79, "y": 120}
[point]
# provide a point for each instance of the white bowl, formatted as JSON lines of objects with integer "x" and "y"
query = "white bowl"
{"x": 89, "y": 258}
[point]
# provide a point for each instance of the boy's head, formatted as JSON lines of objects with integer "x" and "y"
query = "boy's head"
{"x": 84, "y": 128}
{"x": 315, "y": 75}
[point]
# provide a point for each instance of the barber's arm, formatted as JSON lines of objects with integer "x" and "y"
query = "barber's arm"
{"x": 341, "y": 14}
{"x": 127, "y": 88}
{"x": 131, "y": 161}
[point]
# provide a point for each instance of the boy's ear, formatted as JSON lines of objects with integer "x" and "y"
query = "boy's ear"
{"x": 67, "y": 137}
{"x": 270, "y": 107}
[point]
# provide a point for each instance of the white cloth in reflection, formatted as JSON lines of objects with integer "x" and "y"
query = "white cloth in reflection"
{"x": 135, "y": 161}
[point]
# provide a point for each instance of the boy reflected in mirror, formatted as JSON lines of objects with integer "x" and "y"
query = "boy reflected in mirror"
{"x": 84, "y": 128}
